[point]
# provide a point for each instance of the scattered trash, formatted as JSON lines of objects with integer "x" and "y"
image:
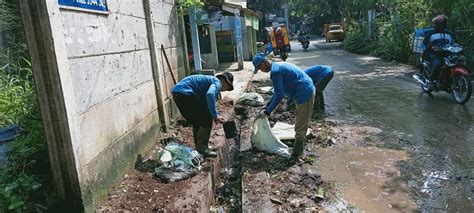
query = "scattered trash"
{"x": 295, "y": 202}
{"x": 263, "y": 139}
{"x": 284, "y": 131}
{"x": 251, "y": 99}
{"x": 163, "y": 156}
{"x": 320, "y": 194}
{"x": 10, "y": 132}
{"x": 265, "y": 90}
{"x": 276, "y": 201}
{"x": 184, "y": 163}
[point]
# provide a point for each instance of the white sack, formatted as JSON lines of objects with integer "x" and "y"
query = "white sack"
{"x": 263, "y": 139}
{"x": 251, "y": 99}
{"x": 265, "y": 90}
{"x": 284, "y": 131}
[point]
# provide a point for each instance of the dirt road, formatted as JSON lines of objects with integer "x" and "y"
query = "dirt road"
{"x": 396, "y": 149}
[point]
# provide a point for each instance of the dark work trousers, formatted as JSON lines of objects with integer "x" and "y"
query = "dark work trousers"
{"x": 435, "y": 65}
{"x": 193, "y": 110}
{"x": 196, "y": 113}
{"x": 320, "y": 84}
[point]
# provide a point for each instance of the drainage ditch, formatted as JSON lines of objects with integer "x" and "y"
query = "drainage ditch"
{"x": 256, "y": 181}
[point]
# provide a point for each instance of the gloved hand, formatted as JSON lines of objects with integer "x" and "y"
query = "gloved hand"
{"x": 219, "y": 120}
{"x": 263, "y": 112}
{"x": 289, "y": 104}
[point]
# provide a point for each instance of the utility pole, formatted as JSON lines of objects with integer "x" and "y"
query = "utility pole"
{"x": 238, "y": 40}
{"x": 371, "y": 18}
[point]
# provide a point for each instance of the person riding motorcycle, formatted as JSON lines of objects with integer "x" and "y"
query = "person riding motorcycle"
{"x": 280, "y": 42}
{"x": 433, "y": 41}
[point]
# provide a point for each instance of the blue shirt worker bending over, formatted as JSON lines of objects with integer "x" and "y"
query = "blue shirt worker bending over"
{"x": 290, "y": 81}
{"x": 321, "y": 75}
{"x": 196, "y": 98}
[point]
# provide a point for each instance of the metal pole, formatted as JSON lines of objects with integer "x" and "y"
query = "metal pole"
{"x": 195, "y": 40}
{"x": 238, "y": 40}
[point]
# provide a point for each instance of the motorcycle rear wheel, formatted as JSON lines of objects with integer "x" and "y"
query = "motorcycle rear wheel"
{"x": 283, "y": 55}
{"x": 461, "y": 89}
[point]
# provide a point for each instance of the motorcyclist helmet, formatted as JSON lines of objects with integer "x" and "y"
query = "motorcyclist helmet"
{"x": 278, "y": 31}
{"x": 439, "y": 22}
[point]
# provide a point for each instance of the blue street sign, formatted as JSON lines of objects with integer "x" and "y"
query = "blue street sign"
{"x": 97, "y": 5}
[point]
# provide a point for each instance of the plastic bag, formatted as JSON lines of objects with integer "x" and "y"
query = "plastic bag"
{"x": 185, "y": 153}
{"x": 184, "y": 163}
{"x": 251, "y": 99}
{"x": 172, "y": 174}
{"x": 263, "y": 139}
{"x": 284, "y": 131}
{"x": 265, "y": 90}
{"x": 164, "y": 157}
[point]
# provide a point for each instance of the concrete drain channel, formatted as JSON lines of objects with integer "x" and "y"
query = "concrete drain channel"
{"x": 258, "y": 182}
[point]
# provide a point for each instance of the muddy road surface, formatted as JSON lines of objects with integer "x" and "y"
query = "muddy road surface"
{"x": 396, "y": 149}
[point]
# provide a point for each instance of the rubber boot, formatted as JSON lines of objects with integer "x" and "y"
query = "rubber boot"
{"x": 298, "y": 149}
{"x": 195, "y": 134}
{"x": 317, "y": 103}
{"x": 321, "y": 103}
{"x": 203, "y": 140}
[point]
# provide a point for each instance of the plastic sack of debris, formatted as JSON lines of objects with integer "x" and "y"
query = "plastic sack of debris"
{"x": 184, "y": 153}
{"x": 172, "y": 174}
{"x": 284, "y": 131}
{"x": 251, "y": 99}
{"x": 265, "y": 90}
{"x": 263, "y": 139}
{"x": 178, "y": 162}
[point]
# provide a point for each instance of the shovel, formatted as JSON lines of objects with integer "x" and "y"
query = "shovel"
{"x": 230, "y": 129}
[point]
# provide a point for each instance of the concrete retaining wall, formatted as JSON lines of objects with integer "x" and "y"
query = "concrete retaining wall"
{"x": 106, "y": 78}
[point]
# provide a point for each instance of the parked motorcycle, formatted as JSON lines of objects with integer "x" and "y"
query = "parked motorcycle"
{"x": 454, "y": 76}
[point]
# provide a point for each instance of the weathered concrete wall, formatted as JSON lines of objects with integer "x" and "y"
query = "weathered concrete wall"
{"x": 108, "y": 85}
{"x": 166, "y": 31}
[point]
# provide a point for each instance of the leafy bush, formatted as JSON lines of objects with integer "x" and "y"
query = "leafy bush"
{"x": 397, "y": 20}
{"x": 25, "y": 181}
{"x": 394, "y": 42}
{"x": 357, "y": 40}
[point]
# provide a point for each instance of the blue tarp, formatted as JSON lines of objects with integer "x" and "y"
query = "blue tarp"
{"x": 422, "y": 32}
{"x": 10, "y": 132}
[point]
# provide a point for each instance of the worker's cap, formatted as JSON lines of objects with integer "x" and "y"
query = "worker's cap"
{"x": 257, "y": 60}
{"x": 229, "y": 78}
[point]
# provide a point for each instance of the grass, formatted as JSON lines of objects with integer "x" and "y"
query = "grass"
{"x": 25, "y": 181}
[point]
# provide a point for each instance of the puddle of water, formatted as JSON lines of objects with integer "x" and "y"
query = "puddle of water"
{"x": 368, "y": 177}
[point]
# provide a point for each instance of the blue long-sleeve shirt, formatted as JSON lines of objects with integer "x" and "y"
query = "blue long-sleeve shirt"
{"x": 290, "y": 81}
{"x": 318, "y": 71}
{"x": 206, "y": 88}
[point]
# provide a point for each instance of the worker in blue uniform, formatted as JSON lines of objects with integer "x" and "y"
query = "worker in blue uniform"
{"x": 196, "y": 97}
{"x": 290, "y": 81}
{"x": 321, "y": 75}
